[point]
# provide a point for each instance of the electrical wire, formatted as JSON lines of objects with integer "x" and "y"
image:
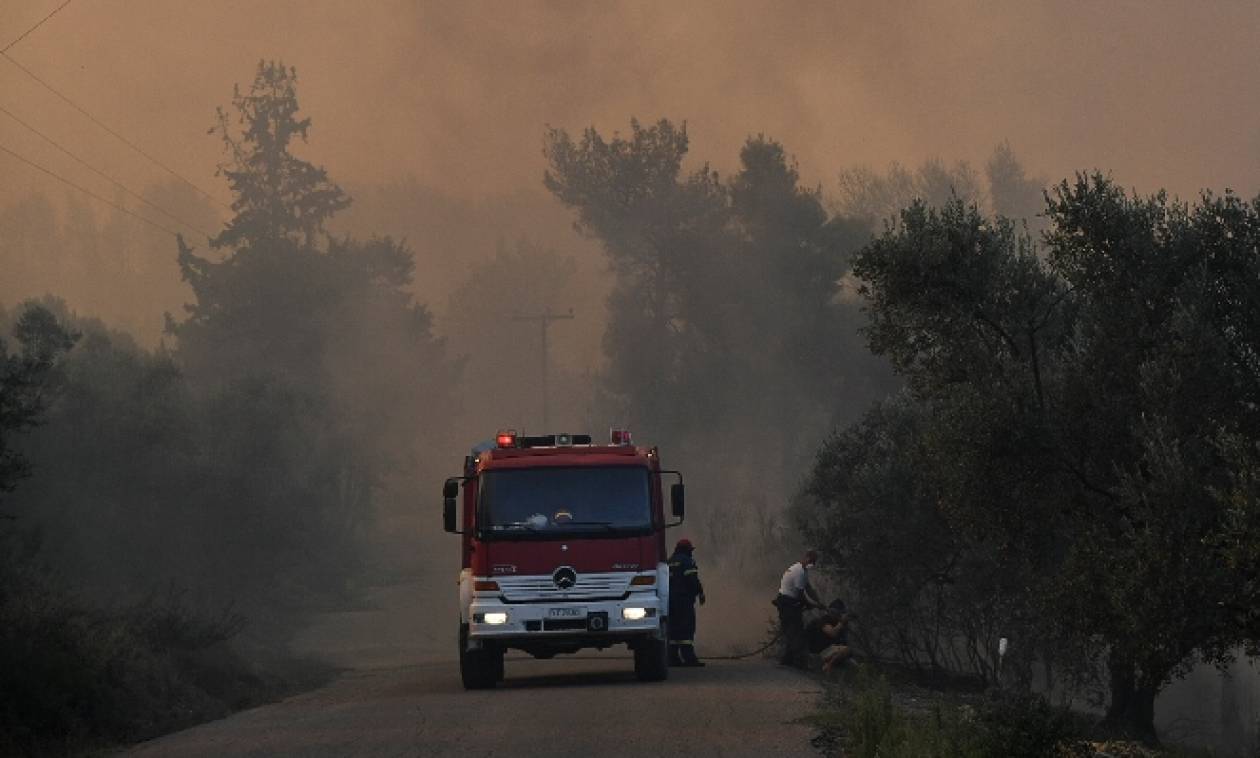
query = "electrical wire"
{"x": 36, "y": 26}
{"x": 106, "y": 128}
{"x": 104, "y": 175}
{"x": 89, "y": 192}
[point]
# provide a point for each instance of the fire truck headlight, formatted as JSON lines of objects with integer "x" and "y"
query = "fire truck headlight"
{"x": 497, "y": 617}
{"x": 633, "y": 614}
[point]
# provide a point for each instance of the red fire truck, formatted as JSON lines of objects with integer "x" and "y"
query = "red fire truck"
{"x": 563, "y": 545}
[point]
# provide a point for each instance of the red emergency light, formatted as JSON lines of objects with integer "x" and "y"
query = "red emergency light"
{"x": 619, "y": 436}
{"x": 506, "y": 438}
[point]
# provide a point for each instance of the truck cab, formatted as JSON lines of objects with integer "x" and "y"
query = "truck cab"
{"x": 563, "y": 548}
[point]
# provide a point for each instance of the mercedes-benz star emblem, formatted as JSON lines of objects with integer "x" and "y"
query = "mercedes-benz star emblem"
{"x": 564, "y": 578}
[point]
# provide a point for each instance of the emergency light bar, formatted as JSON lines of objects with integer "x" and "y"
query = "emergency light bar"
{"x": 509, "y": 439}
{"x": 619, "y": 436}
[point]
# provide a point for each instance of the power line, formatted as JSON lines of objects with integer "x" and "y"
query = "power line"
{"x": 99, "y": 123}
{"x": 33, "y": 28}
{"x": 89, "y": 192}
{"x": 104, "y": 175}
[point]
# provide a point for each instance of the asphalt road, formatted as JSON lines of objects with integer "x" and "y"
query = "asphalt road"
{"x": 401, "y": 693}
{"x": 590, "y": 706}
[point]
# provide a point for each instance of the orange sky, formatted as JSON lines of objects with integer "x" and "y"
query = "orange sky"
{"x": 457, "y": 94}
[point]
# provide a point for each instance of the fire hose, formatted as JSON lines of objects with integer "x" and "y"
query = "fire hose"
{"x": 740, "y": 656}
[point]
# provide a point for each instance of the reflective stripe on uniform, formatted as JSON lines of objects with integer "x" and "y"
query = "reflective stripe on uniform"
{"x": 682, "y": 642}
{"x": 691, "y": 571}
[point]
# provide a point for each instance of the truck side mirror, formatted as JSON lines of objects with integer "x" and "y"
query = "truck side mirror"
{"x": 449, "y": 491}
{"x": 448, "y": 514}
{"x": 676, "y": 500}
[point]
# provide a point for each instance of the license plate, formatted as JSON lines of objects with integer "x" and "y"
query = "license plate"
{"x": 567, "y": 613}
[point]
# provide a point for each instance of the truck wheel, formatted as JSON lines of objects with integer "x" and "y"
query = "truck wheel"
{"x": 651, "y": 660}
{"x": 498, "y": 664}
{"x": 476, "y": 667}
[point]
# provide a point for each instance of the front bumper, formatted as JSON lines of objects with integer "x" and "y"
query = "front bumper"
{"x": 543, "y": 621}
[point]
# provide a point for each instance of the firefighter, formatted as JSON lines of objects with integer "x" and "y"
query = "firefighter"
{"x": 684, "y": 590}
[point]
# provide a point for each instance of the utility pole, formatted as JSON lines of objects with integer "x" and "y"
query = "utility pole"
{"x": 544, "y": 322}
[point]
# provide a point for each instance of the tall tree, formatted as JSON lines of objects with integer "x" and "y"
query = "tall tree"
{"x": 726, "y": 319}
{"x": 289, "y": 335}
{"x": 278, "y": 196}
{"x": 661, "y": 229}
{"x": 791, "y": 255}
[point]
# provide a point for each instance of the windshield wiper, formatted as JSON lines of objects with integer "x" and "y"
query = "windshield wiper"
{"x": 516, "y": 525}
{"x": 606, "y": 524}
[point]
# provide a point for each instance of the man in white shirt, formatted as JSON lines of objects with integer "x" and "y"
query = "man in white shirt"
{"x": 795, "y": 595}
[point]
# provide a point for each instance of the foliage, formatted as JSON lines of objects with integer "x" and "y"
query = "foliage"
{"x": 23, "y": 376}
{"x": 74, "y": 675}
{"x": 314, "y": 365}
{"x": 1023, "y": 724}
{"x": 873, "y": 723}
{"x": 1012, "y": 193}
{"x": 865, "y": 194}
{"x": 869, "y": 720}
{"x": 1076, "y": 439}
{"x": 240, "y": 469}
{"x": 278, "y": 196}
{"x": 661, "y": 230}
{"x": 725, "y": 319}
{"x": 931, "y": 594}
{"x": 1006, "y": 190}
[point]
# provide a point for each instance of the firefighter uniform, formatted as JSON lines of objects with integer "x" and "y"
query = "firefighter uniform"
{"x": 684, "y": 590}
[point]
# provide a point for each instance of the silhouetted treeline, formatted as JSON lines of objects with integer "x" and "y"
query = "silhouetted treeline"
{"x": 732, "y": 335}
{"x": 234, "y": 474}
{"x": 245, "y": 457}
{"x": 725, "y": 342}
{"x": 1070, "y": 462}
{"x": 105, "y": 264}
{"x": 1073, "y": 461}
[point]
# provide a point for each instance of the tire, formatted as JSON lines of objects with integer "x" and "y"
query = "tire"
{"x": 651, "y": 659}
{"x": 476, "y": 667}
{"x": 497, "y": 659}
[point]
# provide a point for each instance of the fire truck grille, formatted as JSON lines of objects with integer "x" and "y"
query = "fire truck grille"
{"x": 525, "y": 589}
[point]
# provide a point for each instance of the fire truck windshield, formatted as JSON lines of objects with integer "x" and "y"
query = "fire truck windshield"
{"x": 553, "y": 502}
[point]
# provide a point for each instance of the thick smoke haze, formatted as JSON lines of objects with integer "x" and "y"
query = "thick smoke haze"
{"x": 452, "y": 99}
{"x": 456, "y": 94}
{"x": 433, "y": 115}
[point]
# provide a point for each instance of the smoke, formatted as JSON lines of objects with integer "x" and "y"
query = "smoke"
{"x": 432, "y": 115}
{"x": 456, "y": 95}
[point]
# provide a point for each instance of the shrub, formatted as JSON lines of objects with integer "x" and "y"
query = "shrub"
{"x": 870, "y": 724}
{"x": 1023, "y": 725}
{"x": 73, "y": 675}
{"x": 873, "y": 722}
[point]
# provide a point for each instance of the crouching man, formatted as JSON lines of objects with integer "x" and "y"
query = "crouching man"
{"x": 828, "y": 636}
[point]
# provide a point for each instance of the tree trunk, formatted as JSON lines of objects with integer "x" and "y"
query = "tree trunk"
{"x": 1132, "y": 709}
